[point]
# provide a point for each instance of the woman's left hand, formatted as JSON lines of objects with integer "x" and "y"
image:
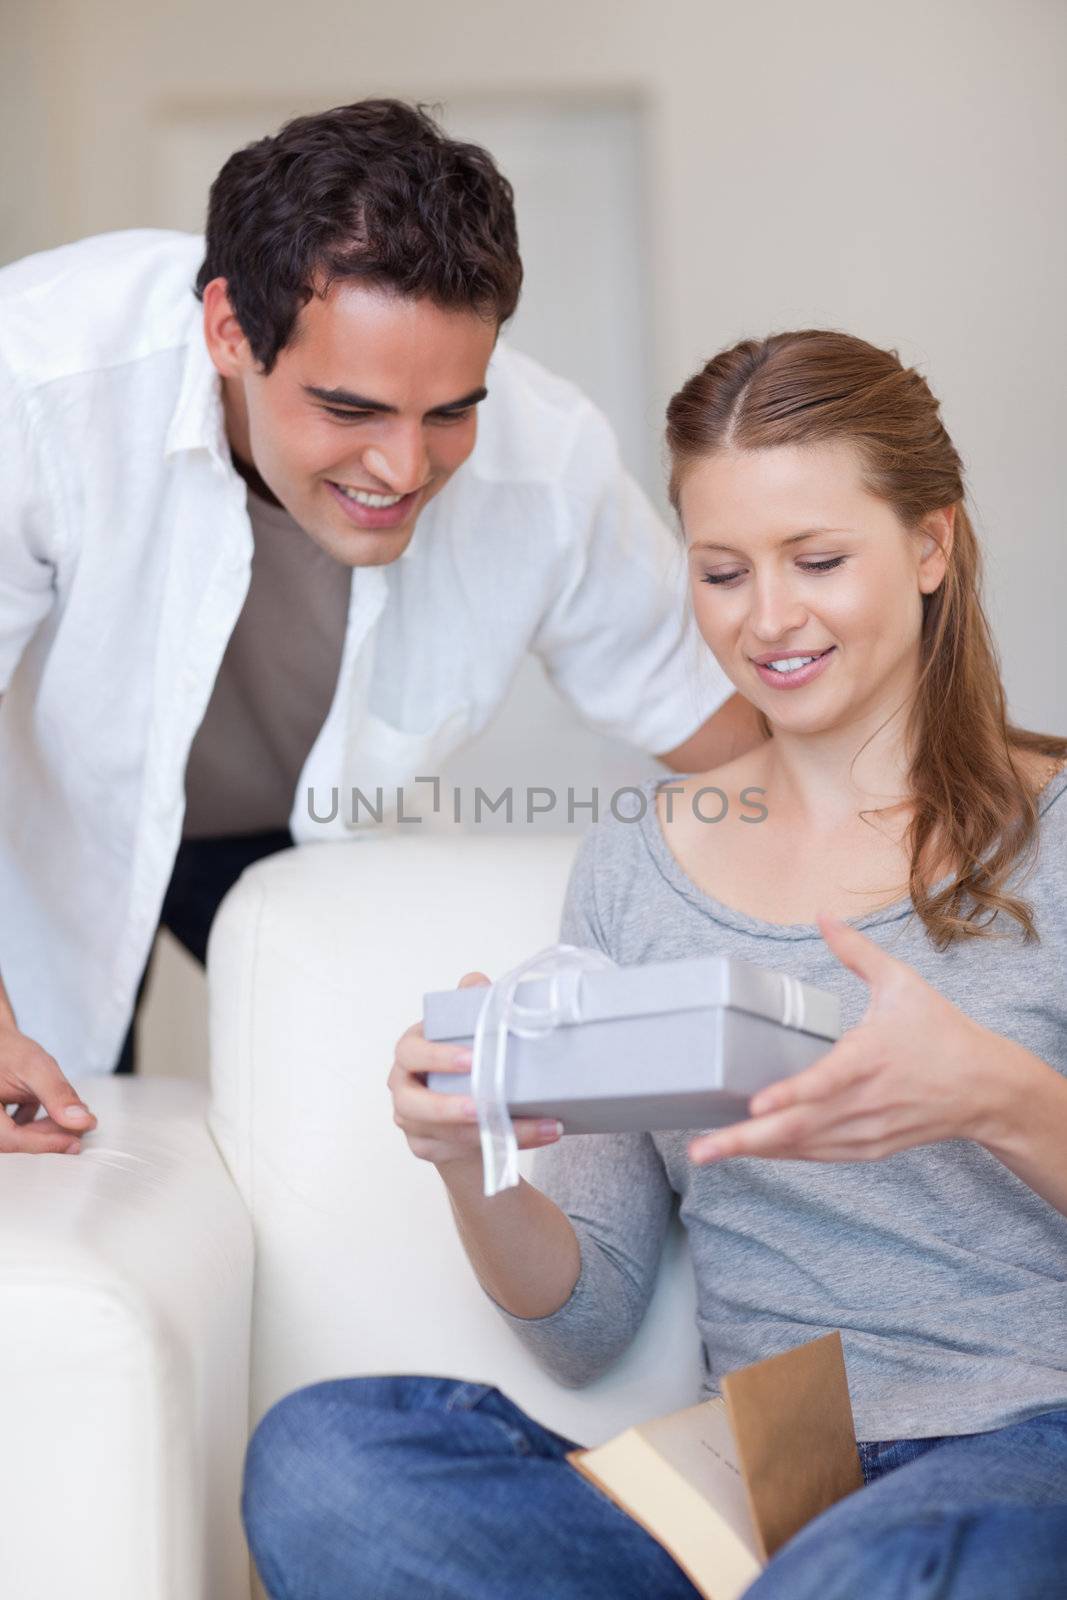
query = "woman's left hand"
{"x": 913, "y": 1071}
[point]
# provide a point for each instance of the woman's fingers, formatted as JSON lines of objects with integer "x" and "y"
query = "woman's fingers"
{"x": 424, "y": 1121}
{"x": 431, "y": 1143}
{"x": 807, "y": 1134}
{"x": 532, "y": 1131}
{"x": 426, "y": 1113}
{"x": 444, "y": 1127}
{"x": 420, "y": 1056}
{"x": 413, "y": 1102}
{"x": 845, "y": 1065}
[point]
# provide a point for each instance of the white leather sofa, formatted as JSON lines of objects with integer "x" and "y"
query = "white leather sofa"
{"x": 135, "y": 1352}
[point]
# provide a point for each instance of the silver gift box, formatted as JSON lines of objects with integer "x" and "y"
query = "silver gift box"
{"x": 674, "y": 1044}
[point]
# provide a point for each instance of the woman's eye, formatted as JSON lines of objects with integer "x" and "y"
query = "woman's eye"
{"x": 805, "y": 566}
{"x": 719, "y": 577}
{"x": 821, "y": 566}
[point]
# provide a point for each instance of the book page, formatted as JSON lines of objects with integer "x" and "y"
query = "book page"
{"x": 723, "y": 1485}
{"x": 678, "y": 1476}
{"x": 699, "y": 1444}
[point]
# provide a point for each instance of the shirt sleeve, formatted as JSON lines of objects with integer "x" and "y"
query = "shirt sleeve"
{"x": 615, "y": 1190}
{"x": 26, "y": 572}
{"x": 619, "y": 641}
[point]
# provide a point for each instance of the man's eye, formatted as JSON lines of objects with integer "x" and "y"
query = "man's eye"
{"x": 364, "y": 416}
{"x": 452, "y": 416}
{"x": 347, "y": 416}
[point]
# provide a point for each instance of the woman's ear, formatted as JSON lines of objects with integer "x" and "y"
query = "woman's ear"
{"x": 937, "y": 529}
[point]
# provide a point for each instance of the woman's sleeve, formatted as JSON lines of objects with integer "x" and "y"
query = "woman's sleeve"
{"x": 615, "y": 1191}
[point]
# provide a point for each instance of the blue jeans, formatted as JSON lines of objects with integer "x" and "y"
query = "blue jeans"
{"x": 431, "y": 1489}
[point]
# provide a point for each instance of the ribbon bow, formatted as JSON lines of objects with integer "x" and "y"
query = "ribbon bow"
{"x": 563, "y": 966}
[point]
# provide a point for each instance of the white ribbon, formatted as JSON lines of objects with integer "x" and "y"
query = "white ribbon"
{"x": 562, "y": 966}
{"x": 792, "y": 1001}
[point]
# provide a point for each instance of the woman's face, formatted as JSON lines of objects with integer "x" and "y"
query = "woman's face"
{"x": 791, "y": 557}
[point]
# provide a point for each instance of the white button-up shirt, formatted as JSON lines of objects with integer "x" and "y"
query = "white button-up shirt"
{"x": 125, "y": 553}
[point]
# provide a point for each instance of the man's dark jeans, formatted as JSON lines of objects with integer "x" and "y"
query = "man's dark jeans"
{"x": 205, "y": 869}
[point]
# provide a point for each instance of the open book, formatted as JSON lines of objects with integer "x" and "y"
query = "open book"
{"x": 723, "y": 1485}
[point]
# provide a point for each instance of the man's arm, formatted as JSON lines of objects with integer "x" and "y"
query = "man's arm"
{"x": 729, "y": 732}
{"x": 618, "y": 639}
{"x": 29, "y": 531}
{"x": 29, "y": 1077}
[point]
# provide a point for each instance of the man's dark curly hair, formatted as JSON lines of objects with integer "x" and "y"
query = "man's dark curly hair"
{"x": 374, "y": 191}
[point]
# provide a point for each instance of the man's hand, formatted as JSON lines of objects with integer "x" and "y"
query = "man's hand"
{"x": 732, "y": 731}
{"x": 29, "y": 1079}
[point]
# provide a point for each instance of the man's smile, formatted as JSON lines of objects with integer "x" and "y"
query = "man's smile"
{"x": 371, "y": 510}
{"x": 366, "y": 497}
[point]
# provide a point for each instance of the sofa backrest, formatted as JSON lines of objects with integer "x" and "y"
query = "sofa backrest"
{"x": 319, "y": 959}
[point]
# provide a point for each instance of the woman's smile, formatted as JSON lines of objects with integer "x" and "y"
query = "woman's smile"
{"x": 792, "y": 672}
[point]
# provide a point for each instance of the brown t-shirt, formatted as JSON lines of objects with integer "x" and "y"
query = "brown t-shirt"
{"x": 275, "y": 684}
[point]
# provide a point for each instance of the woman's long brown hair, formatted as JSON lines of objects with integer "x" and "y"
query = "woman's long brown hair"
{"x": 972, "y": 806}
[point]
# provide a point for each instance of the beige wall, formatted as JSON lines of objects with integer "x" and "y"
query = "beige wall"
{"x": 894, "y": 169}
{"x": 898, "y": 170}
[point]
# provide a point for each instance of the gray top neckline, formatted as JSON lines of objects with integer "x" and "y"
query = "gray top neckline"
{"x": 731, "y": 917}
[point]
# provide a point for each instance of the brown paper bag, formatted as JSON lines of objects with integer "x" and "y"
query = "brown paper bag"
{"x": 722, "y": 1485}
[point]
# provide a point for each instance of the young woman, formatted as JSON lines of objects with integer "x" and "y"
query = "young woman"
{"x": 910, "y": 1188}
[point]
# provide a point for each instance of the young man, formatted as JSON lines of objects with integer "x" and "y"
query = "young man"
{"x": 211, "y": 600}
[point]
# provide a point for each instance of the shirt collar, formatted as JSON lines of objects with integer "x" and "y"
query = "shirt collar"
{"x": 198, "y": 422}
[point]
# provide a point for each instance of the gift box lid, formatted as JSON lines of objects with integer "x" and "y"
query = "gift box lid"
{"x": 695, "y": 984}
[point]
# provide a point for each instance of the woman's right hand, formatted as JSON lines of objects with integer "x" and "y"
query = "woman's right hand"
{"x": 443, "y": 1128}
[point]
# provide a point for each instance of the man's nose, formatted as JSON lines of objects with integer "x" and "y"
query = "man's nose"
{"x": 401, "y": 462}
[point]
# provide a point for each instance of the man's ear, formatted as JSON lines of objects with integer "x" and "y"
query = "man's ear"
{"x": 938, "y": 530}
{"x": 226, "y": 344}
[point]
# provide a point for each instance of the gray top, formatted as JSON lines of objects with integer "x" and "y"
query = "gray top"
{"x": 945, "y": 1273}
{"x": 275, "y": 684}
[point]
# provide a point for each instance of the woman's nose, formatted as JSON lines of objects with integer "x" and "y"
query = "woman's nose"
{"x": 776, "y": 610}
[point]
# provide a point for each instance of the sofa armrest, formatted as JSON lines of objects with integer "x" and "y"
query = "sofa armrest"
{"x": 125, "y": 1296}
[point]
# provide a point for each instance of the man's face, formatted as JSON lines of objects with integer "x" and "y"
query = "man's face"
{"x": 367, "y": 413}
